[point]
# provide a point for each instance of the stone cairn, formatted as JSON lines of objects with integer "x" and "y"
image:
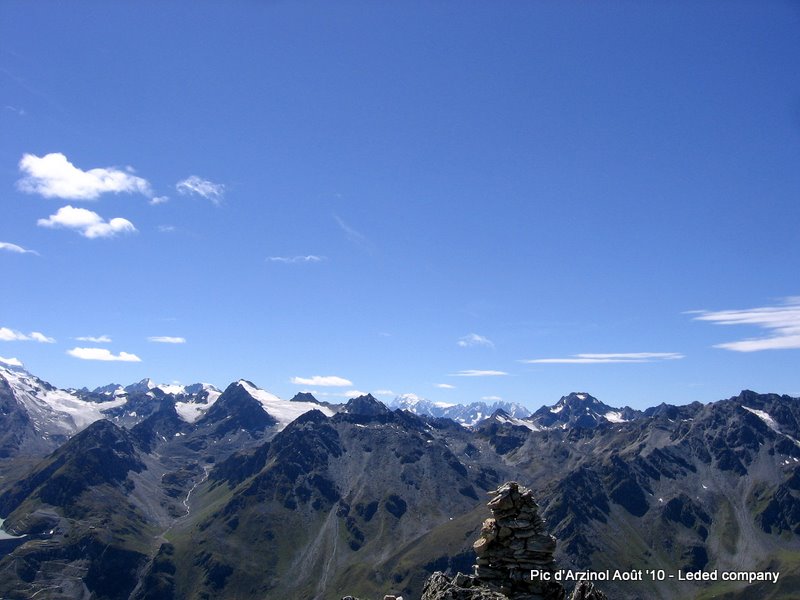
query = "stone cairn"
{"x": 512, "y": 543}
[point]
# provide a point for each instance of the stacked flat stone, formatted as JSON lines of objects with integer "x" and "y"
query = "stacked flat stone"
{"x": 512, "y": 543}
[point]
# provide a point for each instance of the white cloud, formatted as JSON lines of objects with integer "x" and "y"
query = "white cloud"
{"x": 159, "y": 200}
{"x": 491, "y": 398}
{"x": 195, "y": 185}
{"x": 473, "y": 339}
{"x": 165, "y": 339}
{"x": 102, "y": 354}
{"x": 310, "y": 258}
{"x": 353, "y": 394}
{"x": 10, "y": 335}
{"x": 444, "y": 386}
{"x": 167, "y": 228}
{"x": 53, "y": 176}
{"x": 619, "y": 357}
{"x": 383, "y": 393}
{"x": 100, "y": 339}
{"x": 478, "y": 373}
{"x": 8, "y": 247}
{"x": 322, "y": 381}
{"x": 41, "y": 338}
{"x": 89, "y": 224}
{"x": 13, "y": 362}
{"x": 782, "y": 323}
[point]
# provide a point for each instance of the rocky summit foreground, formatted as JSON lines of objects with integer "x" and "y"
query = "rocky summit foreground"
{"x": 514, "y": 557}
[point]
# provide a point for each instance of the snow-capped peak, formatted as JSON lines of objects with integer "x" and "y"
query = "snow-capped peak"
{"x": 171, "y": 388}
{"x": 409, "y": 401}
{"x": 283, "y": 411}
{"x": 580, "y": 409}
{"x": 52, "y": 410}
{"x": 12, "y": 364}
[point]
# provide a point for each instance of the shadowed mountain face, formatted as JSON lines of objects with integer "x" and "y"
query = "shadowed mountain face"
{"x": 334, "y": 496}
{"x": 235, "y": 410}
{"x": 368, "y": 501}
{"x": 86, "y": 531}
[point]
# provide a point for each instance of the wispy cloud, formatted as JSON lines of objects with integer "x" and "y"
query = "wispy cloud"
{"x": 198, "y": 186}
{"x": 473, "y": 339}
{"x": 444, "y": 386}
{"x": 782, "y": 322}
{"x": 12, "y": 362}
{"x": 19, "y": 111}
{"x": 100, "y": 339}
{"x": 87, "y": 223}
{"x": 619, "y": 357}
{"x": 10, "y": 335}
{"x": 354, "y": 236}
{"x": 478, "y": 373}
{"x": 310, "y": 258}
{"x": 383, "y": 393}
{"x": 322, "y": 381}
{"x": 102, "y": 354}
{"x": 159, "y": 200}
{"x": 491, "y": 398}
{"x": 8, "y": 247}
{"x": 166, "y": 339}
{"x": 53, "y": 176}
{"x": 166, "y": 228}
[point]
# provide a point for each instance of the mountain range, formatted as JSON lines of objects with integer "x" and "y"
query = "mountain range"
{"x": 161, "y": 491}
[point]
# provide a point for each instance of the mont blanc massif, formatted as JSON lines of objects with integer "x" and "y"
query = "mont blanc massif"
{"x": 167, "y": 492}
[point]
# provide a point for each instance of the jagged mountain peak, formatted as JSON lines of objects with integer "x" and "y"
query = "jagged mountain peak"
{"x": 144, "y": 385}
{"x": 581, "y": 409}
{"x": 366, "y": 405}
{"x": 196, "y": 388}
{"x": 111, "y": 389}
{"x": 281, "y": 411}
{"x": 304, "y": 397}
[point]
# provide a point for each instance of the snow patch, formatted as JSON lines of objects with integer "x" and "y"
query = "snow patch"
{"x": 769, "y": 421}
{"x": 173, "y": 389}
{"x": 284, "y": 411}
{"x": 191, "y": 411}
{"x": 515, "y": 421}
{"x": 615, "y": 416}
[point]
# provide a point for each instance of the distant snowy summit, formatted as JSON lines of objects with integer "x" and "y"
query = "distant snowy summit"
{"x": 580, "y": 409}
{"x": 465, "y": 414}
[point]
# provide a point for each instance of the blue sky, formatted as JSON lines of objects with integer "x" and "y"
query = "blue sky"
{"x": 458, "y": 200}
